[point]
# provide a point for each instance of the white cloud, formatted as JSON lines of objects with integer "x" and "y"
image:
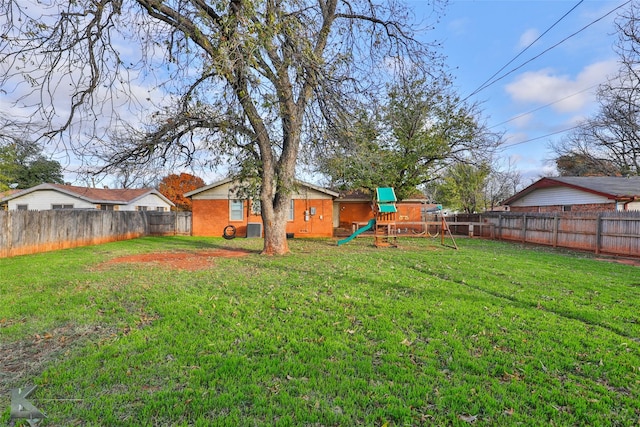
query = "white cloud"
{"x": 523, "y": 120}
{"x": 528, "y": 37}
{"x": 568, "y": 94}
{"x": 458, "y": 27}
{"x": 514, "y": 138}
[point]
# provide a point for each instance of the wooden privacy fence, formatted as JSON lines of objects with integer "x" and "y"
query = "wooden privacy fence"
{"x": 615, "y": 233}
{"x": 169, "y": 223}
{"x": 28, "y": 232}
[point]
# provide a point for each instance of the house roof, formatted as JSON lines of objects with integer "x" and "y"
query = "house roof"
{"x": 7, "y": 193}
{"x": 611, "y": 187}
{"x": 121, "y": 196}
{"x": 361, "y": 195}
{"x": 357, "y": 195}
{"x": 228, "y": 180}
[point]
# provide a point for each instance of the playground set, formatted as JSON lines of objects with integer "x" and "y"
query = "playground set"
{"x": 383, "y": 224}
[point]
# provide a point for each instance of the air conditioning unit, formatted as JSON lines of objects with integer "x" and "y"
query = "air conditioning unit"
{"x": 254, "y": 229}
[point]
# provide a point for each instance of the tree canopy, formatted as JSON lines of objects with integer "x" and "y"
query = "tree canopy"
{"x": 420, "y": 129}
{"x": 463, "y": 187}
{"x": 581, "y": 164}
{"x": 174, "y": 186}
{"x": 23, "y": 165}
{"x": 245, "y": 81}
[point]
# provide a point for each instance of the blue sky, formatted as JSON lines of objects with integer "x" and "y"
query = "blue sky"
{"x": 545, "y": 96}
{"x": 479, "y": 37}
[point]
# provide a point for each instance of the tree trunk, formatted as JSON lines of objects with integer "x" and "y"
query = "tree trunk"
{"x": 275, "y": 196}
{"x": 275, "y": 233}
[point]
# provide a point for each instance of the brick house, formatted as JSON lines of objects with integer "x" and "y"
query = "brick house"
{"x": 222, "y": 203}
{"x": 353, "y": 209}
{"x": 578, "y": 194}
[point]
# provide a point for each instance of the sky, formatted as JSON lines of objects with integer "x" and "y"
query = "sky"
{"x": 542, "y": 94}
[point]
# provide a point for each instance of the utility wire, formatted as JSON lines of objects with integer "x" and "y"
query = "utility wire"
{"x": 547, "y": 50}
{"x": 538, "y": 137}
{"x": 545, "y": 106}
{"x": 487, "y": 83}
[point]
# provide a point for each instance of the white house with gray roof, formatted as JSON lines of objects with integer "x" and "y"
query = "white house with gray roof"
{"x": 578, "y": 194}
{"x": 58, "y": 196}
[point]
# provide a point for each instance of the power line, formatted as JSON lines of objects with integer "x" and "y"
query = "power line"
{"x": 487, "y": 83}
{"x": 545, "y": 106}
{"x": 547, "y": 50}
{"x": 538, "y": 137}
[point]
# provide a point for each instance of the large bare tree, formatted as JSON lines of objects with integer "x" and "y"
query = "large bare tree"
{"x": 244, "y": 81}
{"x": 609, "y": 142}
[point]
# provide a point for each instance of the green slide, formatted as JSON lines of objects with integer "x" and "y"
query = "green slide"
{"x": 361, "y": 230}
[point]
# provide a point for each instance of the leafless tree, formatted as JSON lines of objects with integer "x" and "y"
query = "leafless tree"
{"x": 503, "y": 182}
{"x": 242, "y": 80}
{"x": 612, "y": 136}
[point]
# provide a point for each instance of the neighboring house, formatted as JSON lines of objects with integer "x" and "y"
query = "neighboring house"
{"x": 216, "y": 206}
{"x": 354, "y": 208}
{"x": 57, "y": 196}
{"x": 578, "y": 194}
{"x": 3, "y": 195}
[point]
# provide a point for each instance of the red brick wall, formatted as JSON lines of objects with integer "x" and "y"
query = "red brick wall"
{"x": 592, "y": 207}
{"x": 354, "y": 212}
{"x": 319, "y": 225}
{"x": 362, "y": 212}
{"x": 409, "y": 212}
{"x": 210, "y": 217}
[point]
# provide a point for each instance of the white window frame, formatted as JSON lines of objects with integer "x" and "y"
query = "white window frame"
{"x": 22, "y": 207}
{"x": 57, "y": 206}
{"x": 234, "y": 204}
{"x": 291, "y": 209}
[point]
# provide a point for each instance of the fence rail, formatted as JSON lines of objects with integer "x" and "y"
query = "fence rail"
{"x": 615, "y": 233}
{"x": 28, "y": 232}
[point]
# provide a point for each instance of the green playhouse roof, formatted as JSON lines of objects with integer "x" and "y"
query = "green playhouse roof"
{"x": 386, "y": 200}
{"x": 386, "y": 195}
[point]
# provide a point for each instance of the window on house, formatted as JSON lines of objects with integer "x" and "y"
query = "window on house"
{"x": 106, "y": 207}
{"x": 291, "y": 205}
{"x": 256, "y": 207}
{"x": 161, "y": 209}
{"x": 236, "y": 210}
{"x": 22, "y": 207}
{"x": 61, "y": 206}
{"x": 566, "y": 208}
{"x": 141, "y": 208}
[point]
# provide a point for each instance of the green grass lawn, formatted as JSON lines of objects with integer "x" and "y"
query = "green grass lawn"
{"x": 491, "y": 334}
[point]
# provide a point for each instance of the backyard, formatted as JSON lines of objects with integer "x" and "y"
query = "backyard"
{"x": 196, "y": 331}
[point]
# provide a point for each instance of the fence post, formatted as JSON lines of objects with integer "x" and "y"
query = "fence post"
{"x": 598, "y": 233}
{"x": 499, "y": 234}
{"x": 175, "y": 222}
{"x": 524, "y": 228}
{"x": 9, "y": 233}
{"x": 555, "y": 231}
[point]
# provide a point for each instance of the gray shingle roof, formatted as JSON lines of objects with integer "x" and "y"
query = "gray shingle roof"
{"x": 613, "y": 185}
